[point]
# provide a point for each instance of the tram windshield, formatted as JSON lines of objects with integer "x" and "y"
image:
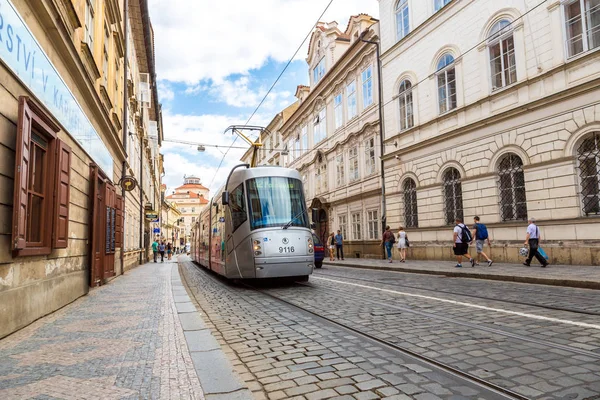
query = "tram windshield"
{"x": 275, "y": 201}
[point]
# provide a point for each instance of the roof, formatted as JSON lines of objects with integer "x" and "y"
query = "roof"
{"x": 191, "y": 195}
{"x": 191, "y": 186}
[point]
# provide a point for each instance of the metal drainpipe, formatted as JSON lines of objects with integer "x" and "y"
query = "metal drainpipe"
{"x": 142, "y": 205}
{"x": 381, "y": 127}
{"x": 125, "y": 126}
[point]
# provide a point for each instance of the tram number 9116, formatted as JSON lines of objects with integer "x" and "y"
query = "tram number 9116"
{"x": 289, "y": 249}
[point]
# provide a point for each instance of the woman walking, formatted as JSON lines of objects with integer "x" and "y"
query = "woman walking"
{"x": 169, "y": 250}
{"x": 331, "y": 246}
{"x": 402, "y": 241}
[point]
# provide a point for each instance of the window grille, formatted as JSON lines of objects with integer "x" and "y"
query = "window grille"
{"x": 411, "y": 215}
{"x": 453, "y": 196}
{"x": 511, "y": 181}
{"x": 588, "y": 157}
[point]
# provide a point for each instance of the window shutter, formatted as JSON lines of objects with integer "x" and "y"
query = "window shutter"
{"x": 21, "y": 175}
{"x": 62, "y": 197}
{"x": 119, "y": 223}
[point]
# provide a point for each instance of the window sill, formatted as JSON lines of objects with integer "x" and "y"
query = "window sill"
{"x": 496, "y": 91}
{"x": 583, "y": 54}
{"x": 33, "y": 251}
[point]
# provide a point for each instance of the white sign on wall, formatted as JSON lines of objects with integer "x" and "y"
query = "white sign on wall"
{"x": 22, "y": 54}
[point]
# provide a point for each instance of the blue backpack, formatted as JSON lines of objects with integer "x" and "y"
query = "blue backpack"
{"x": 482, "y": 232}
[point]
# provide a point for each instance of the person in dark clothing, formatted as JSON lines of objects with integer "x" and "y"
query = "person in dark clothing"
{"x": 339, "y": 244}
{"x": 161, "y": 250}
{"x": 388, "y": 241}
{"x": 533, "y": 240}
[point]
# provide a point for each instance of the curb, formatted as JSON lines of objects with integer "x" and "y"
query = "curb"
{"x": 218, "y": 379}
{"x": 493, "y": 277}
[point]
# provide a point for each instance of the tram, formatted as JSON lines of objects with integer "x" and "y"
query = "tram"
{"x": 256, "y": 226}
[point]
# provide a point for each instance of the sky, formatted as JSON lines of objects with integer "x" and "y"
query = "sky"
{"x": 215, "y": 61}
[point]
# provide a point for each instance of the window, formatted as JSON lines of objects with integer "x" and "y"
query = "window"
{"x": 356, "y": 226}
{"x": 237, "y": 205}
{"x": 304, "y": 139}
{"x": 320, "y": 132}
{"x": 402, "y": 26}
{"x": 105, "y": 57}
{"x": 193, "y": 219}
{"x": 502, "y": 55}
{"x": 297, "y": 148}
{"x": 446, "y": 81}
{"x": 511, "y": 180}
{"x": 582, "y": 20}
{"x": 193, "y": 209}
{"x": 351, "y": 94}
{"x": 337, "y": 107}
{"x": 89, "y": 24}
{"x": 42, "y": 184}
{"x": 452, "y": 196}
{"x": 411, "y": 214}
{"x": 276, "y": 201}
{"x": 438, "y": 4}
{"x": 116, "y": 93}
{"x": 290, "y": 148}
{"x": 373, "y": 224}
{"x": 370, "y": 156}
{"x": 367, "y": 86}
{"x": 321, "y": 176}
{"x": 588, "y": 157}
{"x": 354, "y": 173}
{"x": 343, "y": 225}
{"x": 406, "y": 105}
{"x": 339, "y": 166}
{"x": 319, "y": 71}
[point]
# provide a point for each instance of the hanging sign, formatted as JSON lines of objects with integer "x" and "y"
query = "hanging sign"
{"x": 128, "y": 183}
{"x": 152, "y": 215}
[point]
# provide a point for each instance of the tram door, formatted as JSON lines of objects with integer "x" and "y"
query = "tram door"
{"x": 101, "y": 227}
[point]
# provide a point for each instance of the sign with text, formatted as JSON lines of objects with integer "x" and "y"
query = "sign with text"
{"x": 151, "y": 215}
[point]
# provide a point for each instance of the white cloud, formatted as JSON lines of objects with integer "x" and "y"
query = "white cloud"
{"x": 197, "y": 41}
{"x": 165, "y": 93}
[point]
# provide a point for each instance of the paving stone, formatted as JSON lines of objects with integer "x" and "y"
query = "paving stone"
{"x": 185, "y": 307}
{"x": 201, "y": 341}
{"x": 299, "y": 390}
{"x": 215, "y": 372}
{"x": 321, "y": 394}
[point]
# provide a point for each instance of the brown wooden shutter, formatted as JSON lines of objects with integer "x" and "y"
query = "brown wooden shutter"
{"x": 119, "y": 223}
{"x": 60, "y": 232}
{"x": 21, "y": 175}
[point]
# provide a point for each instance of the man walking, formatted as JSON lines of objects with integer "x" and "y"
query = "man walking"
{"x": 161, "y": 249}
{"x": 532, "y": 238}
{"x": 388, "y": 241}
{"x": 462, "y": 238}
{"x": 339, "y": 245}
{"x": 480, "y": 234}
{"x": 155, "y": 249}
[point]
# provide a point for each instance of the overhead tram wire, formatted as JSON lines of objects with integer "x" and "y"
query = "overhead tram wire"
{"x": 272, "y": 86}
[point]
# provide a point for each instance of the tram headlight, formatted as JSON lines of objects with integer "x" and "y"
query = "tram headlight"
{"x": 256, "y": 246}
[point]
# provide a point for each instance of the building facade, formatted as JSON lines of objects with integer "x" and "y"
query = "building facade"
{"x": 333, "y": 136}
{"x": 63, "y": 151}
{"x": 493, "y": 110}
{"x": 190, "y": 199}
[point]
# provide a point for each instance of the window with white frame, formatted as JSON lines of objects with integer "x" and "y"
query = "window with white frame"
{"x": 438, "y": 4}
{"x": 353, "y": 166}
{"x": 343, "y": 226}
{"x": 588, "y": 157}
{"x": 501, "y": 46}
{"x": 268, "y": 145}
{"x": 321, "y": 178}
{"x": 320, "y": 127}
{"x": 351, "y": 97}
{"x": 411, "y": 212}
{"x": 405, "y": 99}
{"x": 367, "y": 86}
{"x": 89, "y": 24}
{"x": 290, "y": 149}
{"x": 337, "y": 107}
{"x": 297, "y": 148}
{"x": 370, "y": 156}
{"x": 340, "y": 178}
{"x": 373, "y": 224}
{"x": 446, "y": 83}
{"x": 304, "y": 139}
{"x": 582, "y": 23}
{"x": 402, "y": 25}
{"x": 319, "y": 71}
{"x": 356, "y": 226}
{"x": 305, "y": 184}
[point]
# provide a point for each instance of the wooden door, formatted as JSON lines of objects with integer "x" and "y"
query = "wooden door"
{"x": 96, "y": 231}
{"x": 109, "y": 229}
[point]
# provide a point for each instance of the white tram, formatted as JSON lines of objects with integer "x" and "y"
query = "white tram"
{"x": 256, "y": 226}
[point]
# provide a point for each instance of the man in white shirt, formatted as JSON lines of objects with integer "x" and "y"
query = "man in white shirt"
{"x": 533, "y": 240}
{"x": 461, "y": 248}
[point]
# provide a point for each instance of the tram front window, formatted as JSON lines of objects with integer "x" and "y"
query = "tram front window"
{"x": 275, "y": 201}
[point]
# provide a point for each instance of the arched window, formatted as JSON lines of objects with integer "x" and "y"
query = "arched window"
{"x": 411, "y": 214}
{"x": 502, "y": 55}
{"x": 511, "y": 181}
{"x": 452, "y": 196}
{"x": 588, "y": 157}
{"x": 406, "y": 105}
{"x": 446, "y": 83}
{"x": 402, "y": 25}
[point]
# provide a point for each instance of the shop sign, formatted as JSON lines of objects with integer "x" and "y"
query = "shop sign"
{"x": 152, "y": 215}
{"x": 156, "y": 230}
{"x": 128, "y": 183}
{"x": 21, "y": 52}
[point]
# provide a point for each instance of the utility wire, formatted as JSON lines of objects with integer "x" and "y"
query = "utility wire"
{"x": 272, "y": 86}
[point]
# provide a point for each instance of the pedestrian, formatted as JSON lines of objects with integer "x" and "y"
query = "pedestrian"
{"x": 161, "y": 250}
{"x": 480, "y": 235}
{"x": 533, "y": 238}
{"x": 331, "y": 245}
{"x": 462, "y": 238}
{"x": 402, "y": 244}
{"x": 339, "y": 244}
{"x": 155, "y": 249}
{"x": 388, "y": 241}
{"x": 169, "y": 250}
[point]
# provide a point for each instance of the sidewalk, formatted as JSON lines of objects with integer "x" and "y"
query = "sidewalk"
{"x": 578, "y": 276}
{"x": 137, "y": 337}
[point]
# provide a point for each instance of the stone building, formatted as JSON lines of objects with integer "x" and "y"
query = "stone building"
{"x": 333, "y": 136}
{"x": 190, "y": 199}
{"x": 63, "y": 151}
{"x": 492, "y": 109}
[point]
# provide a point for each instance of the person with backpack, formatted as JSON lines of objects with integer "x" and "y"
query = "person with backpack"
{"x": 388, "y": 241}
{"x": 462, "y": 238}
{"x": 480, "y": 235}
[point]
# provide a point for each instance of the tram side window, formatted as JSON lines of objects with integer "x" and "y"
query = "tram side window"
{"x": 238, "y": 207}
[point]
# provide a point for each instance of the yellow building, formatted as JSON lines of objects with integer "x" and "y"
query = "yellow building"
{"x": 190, "y": 199}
